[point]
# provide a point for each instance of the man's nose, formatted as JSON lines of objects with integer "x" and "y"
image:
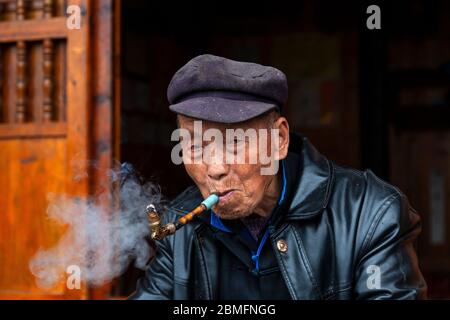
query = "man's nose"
{"x": 217, "y": 171}
{"x": 217, "y": 167}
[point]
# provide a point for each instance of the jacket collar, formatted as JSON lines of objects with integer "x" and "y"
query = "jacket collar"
{"x": 310, "y": 177}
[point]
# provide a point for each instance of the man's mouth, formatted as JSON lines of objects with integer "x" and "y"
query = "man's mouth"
{"x": 224, "y": 196}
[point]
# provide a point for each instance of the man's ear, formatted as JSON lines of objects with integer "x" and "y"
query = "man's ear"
{"x": 283, "y": 136}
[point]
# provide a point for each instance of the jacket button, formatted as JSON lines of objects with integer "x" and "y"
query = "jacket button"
{"x": 282, "y": 245}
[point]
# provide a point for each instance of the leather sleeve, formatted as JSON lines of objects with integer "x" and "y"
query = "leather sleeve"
{"x": 387, "y": 267}
{"x": 157, "y": 284}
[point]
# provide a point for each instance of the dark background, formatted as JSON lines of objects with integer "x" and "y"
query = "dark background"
{"x": 376, "y": 99}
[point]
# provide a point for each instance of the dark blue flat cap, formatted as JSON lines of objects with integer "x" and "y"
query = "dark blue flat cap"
{"x": 217, "y": 89}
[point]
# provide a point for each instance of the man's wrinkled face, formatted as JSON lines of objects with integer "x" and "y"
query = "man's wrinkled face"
{"x": 241, "y": 187}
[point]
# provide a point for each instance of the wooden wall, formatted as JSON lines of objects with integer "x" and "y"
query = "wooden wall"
{"x": 56, "y": 89}
{"x": 419, "y": 129}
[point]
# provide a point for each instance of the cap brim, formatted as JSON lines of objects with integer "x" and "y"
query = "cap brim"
{"x": 221, "y": 110}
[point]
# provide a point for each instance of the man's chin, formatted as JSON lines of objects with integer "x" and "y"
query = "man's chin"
{"x": 230, "y": 214}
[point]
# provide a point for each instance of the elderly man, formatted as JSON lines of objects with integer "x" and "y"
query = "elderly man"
{"x": 309, "y": 229}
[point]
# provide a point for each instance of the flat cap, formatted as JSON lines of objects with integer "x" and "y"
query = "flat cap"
{"x": 217, "y": 89}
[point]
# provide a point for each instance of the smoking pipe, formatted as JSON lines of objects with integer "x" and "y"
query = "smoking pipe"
{"x": 158, "y": 232}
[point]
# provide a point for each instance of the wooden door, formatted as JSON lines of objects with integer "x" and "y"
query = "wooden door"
{"x": 57, "y": 113}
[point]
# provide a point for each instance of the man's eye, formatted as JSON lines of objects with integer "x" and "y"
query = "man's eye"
{"x": 235, "y": 145}
{"x": 238, "y": 141}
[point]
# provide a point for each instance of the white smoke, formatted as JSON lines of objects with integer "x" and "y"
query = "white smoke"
{"x": 100, "y": 240}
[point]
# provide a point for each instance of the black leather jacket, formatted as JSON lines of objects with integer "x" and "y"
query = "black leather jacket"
{"x": 342, "y": 228}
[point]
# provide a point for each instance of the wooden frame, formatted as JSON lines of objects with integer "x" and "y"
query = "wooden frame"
{"x": 30, "y": 30}
{"x": 89, "y": 128}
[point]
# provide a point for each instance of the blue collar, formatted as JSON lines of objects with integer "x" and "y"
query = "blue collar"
{"x": 217, "y": 222}
{"x": 283, "y": 190}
